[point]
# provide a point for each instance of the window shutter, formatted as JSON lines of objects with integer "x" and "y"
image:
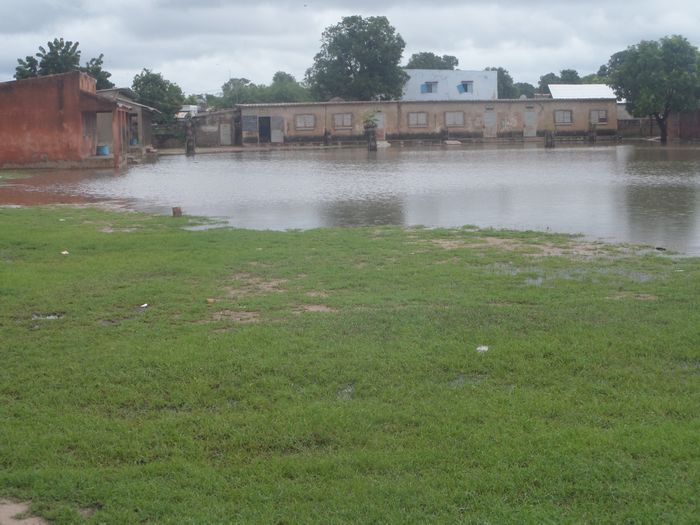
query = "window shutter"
{"x": 424, "y": 88}
{"x": 460, "y": 88}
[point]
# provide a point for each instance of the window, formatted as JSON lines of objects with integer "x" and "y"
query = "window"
{"x": 429, "y": 87}
{"x": 599, "y": 116}
{"x": 563, "y": 116}
{"x": 454, "y": 118}
{"x": 417, "y": 120}
{"x": 466, "y": 86}
{"x": 342, "y": 120}
{"x": 305, "y": 121}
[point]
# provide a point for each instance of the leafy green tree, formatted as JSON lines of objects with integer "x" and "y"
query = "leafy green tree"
{"x": 238, "y": 91}
{"x": 93, "y": 67}
{"x": 285, "y": 88}
{"x": 545, "y": 81}
{"x": 359, "y": 60}
{"x": 656, "y": 78}
{"x": 569, "y": 76}
{"x": 428, "y": 60}
{"x": 524, "y": 88}
{"x": 153, "y": 90}
{"x": 506, "y": 86}
{"x": 62, "y": 56}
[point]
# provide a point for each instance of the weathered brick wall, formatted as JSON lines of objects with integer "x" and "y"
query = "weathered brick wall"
{"x": 41, "y": 120}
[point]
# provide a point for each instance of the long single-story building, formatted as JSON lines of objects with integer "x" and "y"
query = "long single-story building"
{"x": 51, "y": 121}
{"x": 405, "y": 120}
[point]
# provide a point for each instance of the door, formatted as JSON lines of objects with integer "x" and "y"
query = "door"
{"x": 264, "y": 130}
{"x": 225, "y": 134}
{"x": 380, "y": 119}
{"x": 490, "y": 124}
{"x": 530, "y": 123}
{"x": 277, "y": 130}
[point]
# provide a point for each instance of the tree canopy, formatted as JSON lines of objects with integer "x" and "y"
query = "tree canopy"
{"x": 525, "y": 88}
{"x": 153, "y": 90}
{"x": 428, "y": 60}
{"x": 506, "y": 86}
{"x": 61, "y": 56}
{"x": 657, "y": 77}
{"x": 359, "y": 60}
{"x": 284, "y": 88}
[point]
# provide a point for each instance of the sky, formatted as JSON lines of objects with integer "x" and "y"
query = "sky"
{"x": 200, "y": 44}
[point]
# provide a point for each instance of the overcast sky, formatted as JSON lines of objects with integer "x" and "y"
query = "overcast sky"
{"x": 199, "y": 44}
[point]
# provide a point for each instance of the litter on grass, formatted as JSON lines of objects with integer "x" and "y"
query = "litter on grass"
{"x": 482, "y": 348}
{"x": 65, "y": 252}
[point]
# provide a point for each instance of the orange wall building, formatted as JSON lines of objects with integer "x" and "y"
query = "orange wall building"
{"x": 51, "y": 121}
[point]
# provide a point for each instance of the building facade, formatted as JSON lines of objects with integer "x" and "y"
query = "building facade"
{"x": 51, "y": 121}
{"x": 524, "y": 119}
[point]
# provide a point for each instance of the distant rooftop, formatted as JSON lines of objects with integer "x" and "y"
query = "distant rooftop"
{"x": 581, "y": 91}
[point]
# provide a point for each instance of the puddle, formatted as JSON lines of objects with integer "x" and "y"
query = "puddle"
{"x": 47, "y": 317}
{"x": 346, "y": 393}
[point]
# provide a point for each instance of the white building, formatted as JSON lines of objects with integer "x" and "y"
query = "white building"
{"x": 446, "y": 84}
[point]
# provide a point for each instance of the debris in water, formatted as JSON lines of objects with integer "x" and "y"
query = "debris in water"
{"x": 482, "y": 348}
{"x": 661, "y": 248}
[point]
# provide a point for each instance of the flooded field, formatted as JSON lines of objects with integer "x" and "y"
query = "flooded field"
{"x": 630, "y": 193}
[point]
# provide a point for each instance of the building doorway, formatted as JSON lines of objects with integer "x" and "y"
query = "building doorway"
{"x": 264, "y": 130}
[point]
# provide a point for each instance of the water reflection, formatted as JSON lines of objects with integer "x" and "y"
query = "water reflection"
{"x": 645, "y": 194}
{"x": 363, "y": 212}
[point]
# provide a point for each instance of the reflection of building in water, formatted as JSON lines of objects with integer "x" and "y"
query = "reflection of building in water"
{"x": 363, "y": 212}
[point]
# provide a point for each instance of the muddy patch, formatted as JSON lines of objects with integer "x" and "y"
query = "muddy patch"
{"x": 634, "y": 296}
{"x": 317, "y": 308}
{"x": 240, "y": 317}
{"x": 251, "y": 285}
{"x": 12, "y": 513}
{"x": 321, "y": 295}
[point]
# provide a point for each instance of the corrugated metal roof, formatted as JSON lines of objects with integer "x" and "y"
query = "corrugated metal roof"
{"x": 581, "y": 91}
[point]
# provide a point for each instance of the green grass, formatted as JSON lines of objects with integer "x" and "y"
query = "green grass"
{"x": 13, "y": 175}
{"x": 331, "y": 376}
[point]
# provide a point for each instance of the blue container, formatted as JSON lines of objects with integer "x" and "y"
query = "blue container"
{"x": 103, "y": 150}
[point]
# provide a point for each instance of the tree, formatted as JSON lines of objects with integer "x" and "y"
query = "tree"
{"x": 526, "y": 89}
{"x": 238, "y": 91}
{"x": 359, "y": 60}
{"x": 545, "y": 81}
{"x": 569, "y": 76}
{"x": 285, "y": 88}
{"x": 506, "y": 87}
{"x": 153, "y": 90}
{"x": 428, "y": 60}
{"x": 93, "y": 67}
{"x": 656, "y": 78}
{"x": 62, "y": 56}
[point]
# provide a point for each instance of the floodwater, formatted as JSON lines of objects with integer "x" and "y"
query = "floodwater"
{"x": 642, "y": 193}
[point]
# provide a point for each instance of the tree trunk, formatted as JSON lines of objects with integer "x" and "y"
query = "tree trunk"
{"x": 662, "y": 121}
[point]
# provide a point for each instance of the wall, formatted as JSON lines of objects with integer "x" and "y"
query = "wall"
{"x": 484, "y": 85}
{"x": 684, "y": 126}
{"x": 215, "y": 129}
{"x": 487, "y": 120}
{"x": 47, "y": 119}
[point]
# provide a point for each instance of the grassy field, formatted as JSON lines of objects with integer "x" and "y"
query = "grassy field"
{"x": 333, "y": 376}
